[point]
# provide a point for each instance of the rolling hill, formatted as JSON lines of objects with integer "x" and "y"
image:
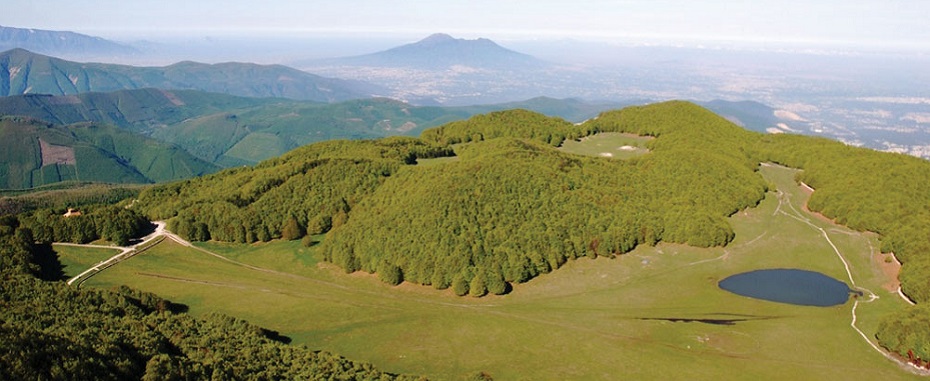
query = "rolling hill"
{"x": 36, "y": 153}
{"x": 24, "y": 72}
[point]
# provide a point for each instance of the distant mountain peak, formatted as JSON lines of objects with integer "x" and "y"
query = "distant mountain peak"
{"x": 437, "y": 38}
{"x": 441, "y": 51}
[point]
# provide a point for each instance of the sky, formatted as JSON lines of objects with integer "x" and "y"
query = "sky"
{"x": 899, "y": 24}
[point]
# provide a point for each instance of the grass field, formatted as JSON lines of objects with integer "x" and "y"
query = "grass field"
{"x": 74, "y": 260}
{"x": 633, "y": 317}
{"x": 608, "y": 144}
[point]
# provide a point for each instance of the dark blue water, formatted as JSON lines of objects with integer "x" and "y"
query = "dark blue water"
{"x": 793, "y": 286}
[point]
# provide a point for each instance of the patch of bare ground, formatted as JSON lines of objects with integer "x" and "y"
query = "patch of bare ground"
{"x": 172, "y": 98}
{"x": 809, "y": 191}
{"x": 55, "y": 154}
{"x": 890, "y": 267}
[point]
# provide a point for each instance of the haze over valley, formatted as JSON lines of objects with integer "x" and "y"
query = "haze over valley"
{"x": 863, "y": 96}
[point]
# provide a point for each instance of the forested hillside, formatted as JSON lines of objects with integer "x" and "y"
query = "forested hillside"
{"x": 511, "y": 209}
{"x": 310, "y": 189}
{"x": 510, "y": 206}
{"x": 52, "y": 331}
{"x": 507, "y": 210}
{"x": 36, "y": 153}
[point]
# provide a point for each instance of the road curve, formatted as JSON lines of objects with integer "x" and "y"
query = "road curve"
{"x": 126, "y": 252}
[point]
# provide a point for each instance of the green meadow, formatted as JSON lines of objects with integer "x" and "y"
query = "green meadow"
{"x": 608, "y": 144}
{"x": 74, "y": 259}
{"x": 643, "y": 315}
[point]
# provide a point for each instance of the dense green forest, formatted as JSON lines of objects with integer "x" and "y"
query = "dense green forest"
{"x": 64, "y": 195}
{"x": 510, "y": 209}
{"x": 51, "y": 331}
{"x": 310, "y": 190}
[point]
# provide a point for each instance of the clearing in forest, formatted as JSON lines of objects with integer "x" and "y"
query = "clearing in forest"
{"x": 608, "y": 144}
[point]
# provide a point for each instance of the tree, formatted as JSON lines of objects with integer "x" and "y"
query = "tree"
{"x": 459, "y": 285}
{"x": 390, "y": 274}
{"x": 496, "y": 284}
{"x": 291, "y": 230}
{"x": 319, "y": 224}
{"x": 478, "y": 286}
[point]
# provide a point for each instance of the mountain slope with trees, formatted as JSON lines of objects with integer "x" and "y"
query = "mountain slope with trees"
{"x": 469, "y": 217}
{"x": 36, "y": 153}
{"x": 24, "y": 72}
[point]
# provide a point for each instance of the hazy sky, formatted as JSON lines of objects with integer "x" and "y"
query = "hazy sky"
{"x": 889, "y": 23}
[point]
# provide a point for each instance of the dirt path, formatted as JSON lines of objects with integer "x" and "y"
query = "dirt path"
{"x": 126, "y": 252}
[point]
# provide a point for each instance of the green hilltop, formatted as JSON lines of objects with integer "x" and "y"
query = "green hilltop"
{"x": 508, "y": 208}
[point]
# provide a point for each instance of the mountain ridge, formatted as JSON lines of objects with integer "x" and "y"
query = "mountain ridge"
{"x": 62, "y": 43}
{"x": 23, "y": 72}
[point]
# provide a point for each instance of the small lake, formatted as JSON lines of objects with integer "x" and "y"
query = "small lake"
{"x": 792, "y": 286}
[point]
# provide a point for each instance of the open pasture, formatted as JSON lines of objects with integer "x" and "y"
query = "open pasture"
{"x": 653, "y": 313}
{"x": 608, "y": 144}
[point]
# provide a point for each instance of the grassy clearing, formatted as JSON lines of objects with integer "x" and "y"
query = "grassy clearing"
{"x": 608, "y": 144}
{"x": 592, "y": 319}
{"x": 77, "y": 259}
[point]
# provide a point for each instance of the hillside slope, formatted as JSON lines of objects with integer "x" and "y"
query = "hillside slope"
{"x": 36, "y": 153}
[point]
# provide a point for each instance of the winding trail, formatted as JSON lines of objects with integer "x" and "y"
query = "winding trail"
{"x": 785, "y": 199}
